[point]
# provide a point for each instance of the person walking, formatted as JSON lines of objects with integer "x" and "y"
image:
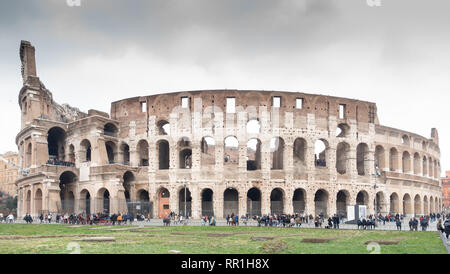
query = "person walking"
{"x": 399, "y": 224}
{"x": 447, "y": 227}
{"x": 424, "y": 224}
{"x": 439, "y": 226}
{"x": 10, "y": 218}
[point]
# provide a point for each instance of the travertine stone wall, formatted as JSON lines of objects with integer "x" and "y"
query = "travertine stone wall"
{"x": 386, "y": 185}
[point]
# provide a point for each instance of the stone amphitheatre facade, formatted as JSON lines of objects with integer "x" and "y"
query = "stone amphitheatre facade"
{"x": 217, "y": 152}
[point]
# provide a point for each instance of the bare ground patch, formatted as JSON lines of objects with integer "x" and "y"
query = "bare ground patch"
{"x": 317, "y": 240}
{"x": 262, "y": 238}
{"x": 274, "y": 246}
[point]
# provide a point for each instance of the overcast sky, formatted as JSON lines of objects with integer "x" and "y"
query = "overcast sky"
{"x": 396, "y": 55}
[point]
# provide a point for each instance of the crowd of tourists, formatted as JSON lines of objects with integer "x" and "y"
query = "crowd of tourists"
{"x": 271, "y": 220}
{"x": 85, "y": 219}
{"x": 56, "y": 162}
{"x": 9, "y": 219}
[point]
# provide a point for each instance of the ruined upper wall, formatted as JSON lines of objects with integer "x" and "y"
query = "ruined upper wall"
{"x": 162, "y": 105}
{"x": 35, "y": 100}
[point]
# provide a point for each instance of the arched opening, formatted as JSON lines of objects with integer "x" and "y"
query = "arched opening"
{"x": 143, "y": 205}
{"x": 362, "y": 198}
{"x": 185, "y": 153}
{"x": 85, "y": 201}
{"x": 142, "y": 148}
{"x": 432, "y": 205}
{"x": 320, "y": 153}
{"x": 277, "y": 152}
{"x": 85, "y": 151}
{"x": 231, "y": 151}
{"x": 394, "y": 204}
{"x": 276, "y": 201}
{"x": 379, "y": 203}
{"x": 28, "y": 158}
{"x": 128, "y": 179}
{"x": 254, "y": 154}
{"x": 163, "y": 203}
{"x": 67, "y": 182}
{"x": 254, "y": 202}
{"x": 28, "y": 202}
{"x": 185, "y": 202}
{"x": 424, "y": 145}
{"x": 342, "y": 157}
{"x": 426, "y": 206}
{"x": 38, "y": 201}
{"x": 436, "y": 169}
{"x": 321, "y": 203}
{"x": 342, "y": 201}
{"x": 186, "y": 158}
{"x": 407, "y": 206}
{"x": 125, "y": 151}
{"x": 163, "y": 154}
{"x": 430, "y": 167}
{"x": 56, "y": 142}
{"x": 299, "y": 201}
{"x": 362, "y": 159}
{"x": 406, "y": 162}
{"x": 208, "y": 149}
{"x": 405, "y": 140}
{"x": 342, "y": 130}
{"x": 207, "y": 202}
{"x": 163, "y": 127}
{"x": 230, "y": 202}
{"x": 300, "y": 150}
{"x": 416, "y": 163}
{"x": 71, "y": 154}
{"x": 104, "y": 201}
{"x": 432, "y": 209}
{"x": 110, "y": 130}
{"x": 393, "y": 159}
{"x": 417, "y": 205}
{"x": 380, "y": 164}
{"x": 424, "y": 166}
{"x": 253, "y": 126}
{"x": 111, "y": 152}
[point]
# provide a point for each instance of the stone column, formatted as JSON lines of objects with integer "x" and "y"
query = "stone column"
{"x": 265, "y": 201}
{"x": 118, "y": 203}
{"x": 400, "y": 204}
{"x": 196, "y": 201}
{"x": 352, "y": 167}
{"x": 332, "y": 195}
{"x": 387, "y": 159}
{"x": 289, "y": 206}
{"x": 173, "y": 201}
{"x": 98, "y": 152}
{"x": 370, "y": 204}
{"x": 398, "y": 160}
{"x": 19, "y": 203}
{"x": 218, "y": 202}
{"x": 310, "y": 207}
{"x": 411, "y": 164}
{"x": 242, "y": 202}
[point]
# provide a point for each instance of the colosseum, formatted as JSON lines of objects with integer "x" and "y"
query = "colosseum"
{"x": 217, "y": 152}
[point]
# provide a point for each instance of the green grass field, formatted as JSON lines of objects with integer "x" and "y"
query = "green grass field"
{"x": 55, "y": 239}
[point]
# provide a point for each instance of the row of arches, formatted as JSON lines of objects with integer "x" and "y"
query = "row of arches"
{"x": 120, "y": 153}
{"x": 102, "y": 201}
{"x": 406, "y": 162}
